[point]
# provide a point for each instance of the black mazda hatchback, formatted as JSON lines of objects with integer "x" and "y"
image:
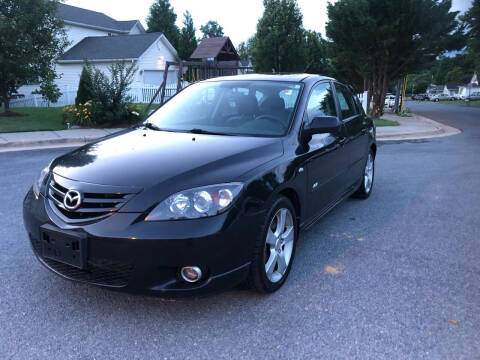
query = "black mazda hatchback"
{"x": 210, "y": 191}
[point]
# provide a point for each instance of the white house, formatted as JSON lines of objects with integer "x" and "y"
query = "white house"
{"x": 470, "y": 88}
{"x": 455, "y": 89}
{"x": 102, "y": 40}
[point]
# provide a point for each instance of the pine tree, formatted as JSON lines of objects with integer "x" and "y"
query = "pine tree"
{"x": 383, "y": 40}
{"x": 84, "y": 92}
{"x": 187, "y": 42}
{"x": 162, "y": 19}
{"x": 279, "y": 42}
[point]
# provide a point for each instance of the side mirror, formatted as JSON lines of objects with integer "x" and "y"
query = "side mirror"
{"x": 323, "y": 125}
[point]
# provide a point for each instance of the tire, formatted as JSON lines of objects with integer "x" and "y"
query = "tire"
{"x": 266, "y": 256}
{"x": 368, "y": 176}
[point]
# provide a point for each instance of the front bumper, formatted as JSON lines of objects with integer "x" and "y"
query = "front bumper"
{"x": 126, "y": 254}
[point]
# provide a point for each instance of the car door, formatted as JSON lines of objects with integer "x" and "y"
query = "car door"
{"x": 327, "y": 162}
{"x": 356, "y": 142}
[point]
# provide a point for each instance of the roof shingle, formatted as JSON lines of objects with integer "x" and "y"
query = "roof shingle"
{"x": 111, "y": 47}
{"x": 93, "y": 18}
{"x": 212, "y": 48}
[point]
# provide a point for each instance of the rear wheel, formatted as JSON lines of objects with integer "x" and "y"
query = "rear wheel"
{"x": 275, "y": 248}
{"x": 365, "y": 188}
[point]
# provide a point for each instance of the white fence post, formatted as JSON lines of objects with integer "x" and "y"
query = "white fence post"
{"x": 365, "y": 101}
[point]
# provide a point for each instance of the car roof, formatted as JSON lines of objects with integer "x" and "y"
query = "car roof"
{"x": 271, "y": 77}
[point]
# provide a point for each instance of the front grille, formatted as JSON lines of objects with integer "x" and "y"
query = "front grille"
{"x": 99, "y": 271}
{"x": 95, "y": 205}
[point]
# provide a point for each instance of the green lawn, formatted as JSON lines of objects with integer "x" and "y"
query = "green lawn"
{"x": 384, "y": 122}
{"x": 474, "y": 103}
{"x": 37, "y": 119}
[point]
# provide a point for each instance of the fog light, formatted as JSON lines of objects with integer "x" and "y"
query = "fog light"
{"x": 191, "y": 274}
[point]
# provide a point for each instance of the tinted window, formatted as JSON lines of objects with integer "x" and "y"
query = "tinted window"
{"x": 321, "y": 102}
{"x": 346, "y": 102}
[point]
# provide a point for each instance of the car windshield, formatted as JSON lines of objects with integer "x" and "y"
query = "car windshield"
{"x": 252, "y": 108}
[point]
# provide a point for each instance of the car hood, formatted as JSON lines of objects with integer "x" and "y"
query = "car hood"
{"x": 166, "y": 161}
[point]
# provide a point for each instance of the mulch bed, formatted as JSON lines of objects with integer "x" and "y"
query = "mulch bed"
{"x": 11, "y": 114}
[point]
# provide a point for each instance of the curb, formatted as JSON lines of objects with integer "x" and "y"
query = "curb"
{"x": 45, "y": 143}
{"x": 441, "y": 130}
{"x": 56, "y": 142}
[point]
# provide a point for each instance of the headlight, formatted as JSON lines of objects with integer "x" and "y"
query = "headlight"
{"x": 38, "y": 183}
{"x": 196, "y": 203}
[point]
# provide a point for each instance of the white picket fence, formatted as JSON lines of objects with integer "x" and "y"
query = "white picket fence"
{"x": 363, "y": 97}
{"x": 137, "y": 94}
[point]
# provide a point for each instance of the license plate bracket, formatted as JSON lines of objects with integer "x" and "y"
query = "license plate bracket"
{"x": 67, "y": 247}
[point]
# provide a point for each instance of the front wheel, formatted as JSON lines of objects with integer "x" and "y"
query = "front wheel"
{"x": 365, "y": 188}
{"x": 275, "y": 248}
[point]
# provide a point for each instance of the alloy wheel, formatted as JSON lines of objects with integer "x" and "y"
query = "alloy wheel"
{"x": 368, "y": 174}
{"x": 279, "y": 245}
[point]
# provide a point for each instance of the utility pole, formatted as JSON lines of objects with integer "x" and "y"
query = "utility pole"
{"x": 404, "y": 88}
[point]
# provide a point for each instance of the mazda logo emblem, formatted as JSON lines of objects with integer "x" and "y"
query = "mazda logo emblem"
{"x": 72, "y": 200}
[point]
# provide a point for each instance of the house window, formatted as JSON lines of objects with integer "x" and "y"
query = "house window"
{"x": 161, "y": 62}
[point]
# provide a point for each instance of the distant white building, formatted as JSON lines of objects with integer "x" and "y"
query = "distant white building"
{"x": 455, "y": 89}
{"x": 102, "y": 40}
{"x": 471, "y": 87}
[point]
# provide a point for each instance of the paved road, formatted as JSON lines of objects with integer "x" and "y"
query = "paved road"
{"x": 407, "y": 285}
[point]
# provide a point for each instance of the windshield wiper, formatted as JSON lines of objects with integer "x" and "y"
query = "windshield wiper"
{"x": 149, "y": 125}
{"x": 207, "y": 132}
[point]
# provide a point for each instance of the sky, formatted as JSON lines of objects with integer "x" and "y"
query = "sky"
{"x": 238, "y": 18}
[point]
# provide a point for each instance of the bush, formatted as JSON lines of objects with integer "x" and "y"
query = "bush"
{"x": 84, "y": 87}
{"x": 79, "y": 114}
{"x": 109, "y": 104}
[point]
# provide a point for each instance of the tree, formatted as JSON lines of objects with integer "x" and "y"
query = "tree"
{"x": 162, "y": 19}
{"x": 446, "y": 69}
{"x": 188, "y": 42}
{"x": 316, "y": 54}
{"x": 31, "y": 38}
{"x": 472, "y": 21}
{"x": 244, "y": 49}
{"x": 84, "y": 92}
{"x": 418, "y": 83}
{"x": 211, "y": 29}
{"x": 382, "y": 40}
{"x": 48, "y": 88}
{"x": 278, "y": 44}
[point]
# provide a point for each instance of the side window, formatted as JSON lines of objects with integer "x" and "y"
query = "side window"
{"x": 321, "y": 102}
{"x": 345, "y": 99}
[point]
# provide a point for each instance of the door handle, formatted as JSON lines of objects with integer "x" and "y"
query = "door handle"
{"x": 342, "y": 140}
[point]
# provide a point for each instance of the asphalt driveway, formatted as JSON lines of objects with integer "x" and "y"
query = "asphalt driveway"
{"x": 393, "y": 277}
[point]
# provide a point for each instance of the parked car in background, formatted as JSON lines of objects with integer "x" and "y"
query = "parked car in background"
{"x": 473, "y": 96}
{"x": 208, "y": 192}
{"x": 420, "y": 97}
{"x": 389, "y": 100}
{"x": 441, "y": 97}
